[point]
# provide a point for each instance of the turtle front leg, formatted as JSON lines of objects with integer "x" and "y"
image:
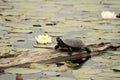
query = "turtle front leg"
{"x": 88, "y": 50}
{"x": 56, "y": 47}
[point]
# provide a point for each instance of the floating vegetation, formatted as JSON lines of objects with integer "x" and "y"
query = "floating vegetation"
{"x": 22, "y": 70}
{"x": 44, "y": 45}
{"x": 22, "y": 20}
{"x": 57, "y": 78}
{"x": 20, "y": 31}
{"x": 116, "y": 68}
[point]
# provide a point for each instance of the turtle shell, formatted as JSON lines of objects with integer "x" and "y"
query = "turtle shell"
{"x": 73, "y": 42}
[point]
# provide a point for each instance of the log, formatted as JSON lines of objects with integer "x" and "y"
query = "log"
{"x": 52, "y": 56}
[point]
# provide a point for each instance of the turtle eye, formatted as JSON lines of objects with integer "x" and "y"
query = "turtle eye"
{"x": 58, "y": 39}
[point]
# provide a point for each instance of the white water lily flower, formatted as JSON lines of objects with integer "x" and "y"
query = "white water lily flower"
{"x": 108, "y": 15}
{"x": 43, "y": 39}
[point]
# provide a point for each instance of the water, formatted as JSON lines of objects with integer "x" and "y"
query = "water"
{"x": 23, "y": 14}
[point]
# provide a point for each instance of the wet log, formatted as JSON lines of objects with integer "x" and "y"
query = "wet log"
{"x": 52, "y": 56}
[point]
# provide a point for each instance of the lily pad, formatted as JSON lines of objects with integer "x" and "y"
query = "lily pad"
{"x": 57, "y": 78}
{"x": 62, "y": 68}
{"x": 20, "y": 31}
{"x": 5, "y": 28}
{"x": 116, "y": 68}
{"x": 111, "y": 75}
{"x": 103, "y": 78}
{"x": 102, "y": 60}
{"x": 22, "y": 70}
{"x": 86, "y": 71}
{"x": 55, "y": 34}
{"x": 44, "y": 45}
{"x": 52, "y": 73}
{"x": 59, "y": 29}
{"x": 42, "y": 50}
{"x": 92, "y": 7}
{"x": 21, "y": 49}
{"x": 10, "y": 12}
{"x": 111, "y": 2}
{"x": 114, "y": 52}
{"x": 39, "y": 66}
{"x": 5, "y": 44}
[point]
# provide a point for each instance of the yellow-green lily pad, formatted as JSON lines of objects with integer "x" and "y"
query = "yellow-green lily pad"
{"x": 86, "y": 71}
{"x": 102, "y": 60}
{"x": 57, "y": 78}
{"x": 44, "y": 45}
{"x": 116, "y": 68}
{"x": 20, "y": 31}
{"x": 111, "y": 75}
{"x": 52, "y": 73}
{"x": 39, "y": 66}
{"x": 22, "y": 70}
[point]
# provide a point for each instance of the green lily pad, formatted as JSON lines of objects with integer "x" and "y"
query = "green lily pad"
{"x": 68, "y": 64}
{"x": 10, "y": 12}
{"x": 4, "y": 41}
{"x": 86, "y": 71}
{"x": 22, "y": 70}
{"x": 114, "y": 52}
{"x": 44, "y": 45}
{"x": 21, "y": 49}
{"x": 5, "y": 50}
{"x": 103, "y": 78}
{"x": 62, "y": 68}
{"x": 20, "y": 31}
{"x": 5, "y": 44}
{"x": 116, "y": 68}
{"x": 15, "y": 25}
{"x": 5, "y": 28}
{"x": 59, "y": 29}
{"x": 42, "y": 50}
{"x": 57, "y": 78}
{"x": 52, "y": 73}
{"x": 111, "y": 2}
{"x": 110, "y": 75}
{"x": 40, "y": 66}
{"x": 92, "y": 7}
{"x": 55, "y": 34}
{"x": 93, "y": 20}
{"x": 102, "y": 60}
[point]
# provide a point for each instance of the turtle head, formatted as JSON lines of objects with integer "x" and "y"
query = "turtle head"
{"x": 58, "y": 39}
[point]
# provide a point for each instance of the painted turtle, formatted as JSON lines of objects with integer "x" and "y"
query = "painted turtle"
{"x": 71, "y": 44}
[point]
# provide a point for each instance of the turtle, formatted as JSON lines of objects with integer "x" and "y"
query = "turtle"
{"x": 71, "y": 44}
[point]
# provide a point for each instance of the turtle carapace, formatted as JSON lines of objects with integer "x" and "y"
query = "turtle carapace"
{"x": 71, "y": 44}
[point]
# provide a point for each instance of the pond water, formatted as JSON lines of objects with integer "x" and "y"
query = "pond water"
{"x": 22, "y": 20}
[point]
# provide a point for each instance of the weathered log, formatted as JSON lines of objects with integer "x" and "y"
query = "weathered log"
{"x": 52, "y": 56}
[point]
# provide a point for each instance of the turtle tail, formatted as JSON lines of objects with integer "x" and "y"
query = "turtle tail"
{"x": 88, "y": 50}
